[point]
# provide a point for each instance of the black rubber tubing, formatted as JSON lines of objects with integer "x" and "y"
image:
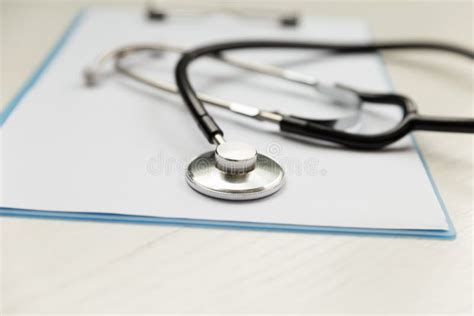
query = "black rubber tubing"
{"x": 210, "y": 128}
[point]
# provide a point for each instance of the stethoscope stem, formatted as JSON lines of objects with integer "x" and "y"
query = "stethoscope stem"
{"x": 219, "y": 139}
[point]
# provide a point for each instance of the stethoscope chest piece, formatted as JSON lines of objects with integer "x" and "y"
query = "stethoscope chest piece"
{"x": 235, "y": 171}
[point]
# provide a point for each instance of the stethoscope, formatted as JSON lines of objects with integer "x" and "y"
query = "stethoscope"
{"x": 235, "y": 170}
{"x": 334, "y": 93}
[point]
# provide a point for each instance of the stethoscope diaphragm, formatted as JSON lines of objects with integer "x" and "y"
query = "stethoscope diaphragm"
{"x": 235, "y": 171}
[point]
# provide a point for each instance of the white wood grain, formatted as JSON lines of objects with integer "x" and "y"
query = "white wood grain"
{"x": 82, "y": 267}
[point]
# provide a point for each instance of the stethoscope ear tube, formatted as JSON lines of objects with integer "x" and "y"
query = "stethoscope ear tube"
{"x": 441, "y": 124}
{"x": 205, "y": 122}
{"x": 323, "y": 131}
{"x": 318, "y": 131}
{"x": 411, "y": 120}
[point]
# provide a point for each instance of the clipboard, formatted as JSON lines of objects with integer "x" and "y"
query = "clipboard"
{"x": 118, "y": 215}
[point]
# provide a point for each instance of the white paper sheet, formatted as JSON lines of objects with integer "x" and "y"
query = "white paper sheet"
{"x": 122, "y": 148}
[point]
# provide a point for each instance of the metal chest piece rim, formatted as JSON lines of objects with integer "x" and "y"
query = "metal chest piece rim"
{"x": 235, "y": 171}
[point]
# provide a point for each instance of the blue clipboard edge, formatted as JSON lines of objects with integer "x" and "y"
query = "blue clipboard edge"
{"x": 40, "y": 70}
{"x": 134, "y": 219}
{"x": 449, "y": 234}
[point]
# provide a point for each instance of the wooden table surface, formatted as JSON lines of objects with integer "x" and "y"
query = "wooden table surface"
{"x": 50, "y": 266}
